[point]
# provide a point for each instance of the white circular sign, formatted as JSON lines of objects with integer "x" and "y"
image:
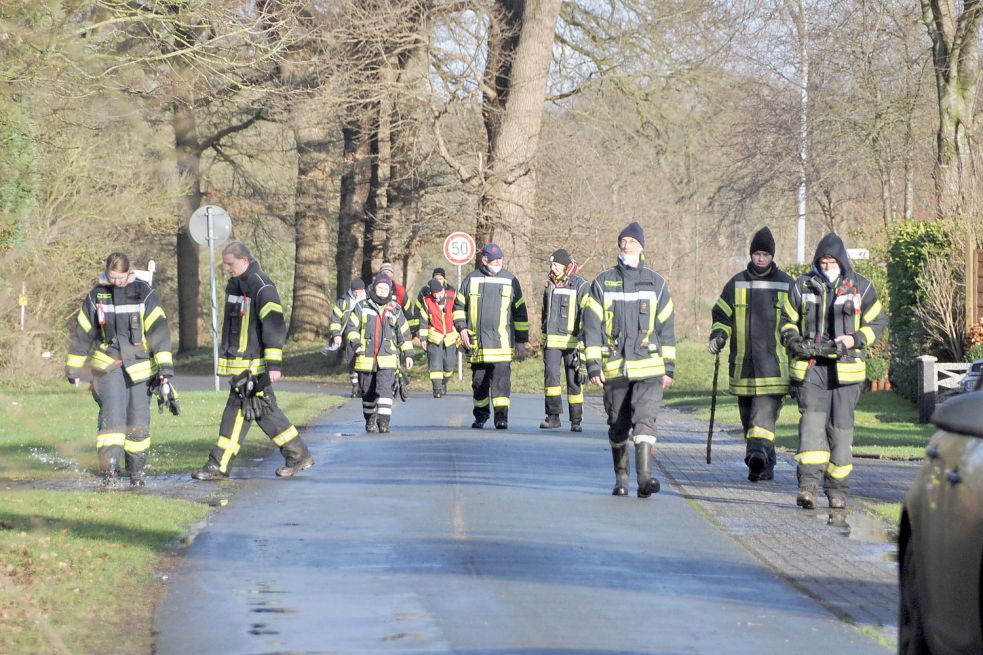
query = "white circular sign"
{"x": 459, "y": 248}
{"x": 221, "y": 225}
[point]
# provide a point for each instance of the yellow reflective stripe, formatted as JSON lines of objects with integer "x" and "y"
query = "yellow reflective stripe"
{"x": 869, "y": 335}
{"x": 424, "y": 332}
{"x": 481, "y": 402}
{"x": 141, "y": 370}
{"x": 798, "y": 369}
{"x": 244, "y": 332}
{"x": 132, "y": 446}
{"x": 760, "y": 433}
{"x": 790, "y": 310}
{"x": 873, "y": 312}
{"x": 83, "y": 321}
{"x": 666, "y": 312}
{"x": 519, "y": 303}
{"x": 789, "y": 326}
{"x": 499, "y": 401}
{"x": 459, "y": 315}
{"x": 759, "y": 386}
{"x": 270, "y": 307}
{"x": 436, "y": 375}
{"x": 237, "y": 365}
{"x": 668, "y": 352}
{"x": 231, "y": 444}
{"x": 721, "y": 326}
{"x": 151, "y": 318}
{"x": 164, "y": 357}
{"x": 838, "y": 472}
{"x": 558, "y": 341}
{"x": 552, "y": 391}
{"x": 286, "y": 436}
{"x": 110, "y": 439}
{"x": 592, "y": 352}
{"x": 812, "y": 457}
{"x": 273, "y": 354}
{"x": 739, "y": 344}
{"x": 75, "y": 361}
{"x": 228, "y": 445}
{"x": 575, "y": 398}
{"x": 724, "y": 307}
{"x": 522, "y": 326}
{"x": 101, "y": 360}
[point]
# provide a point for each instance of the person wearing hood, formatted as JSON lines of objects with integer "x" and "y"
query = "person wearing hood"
{"x": 339, "y": 322}
{"x": 631, "y": 353}
{"x": 564, "y": 299}
{"x": 378, "y": 338}
{"x": 491, "y": 317}
{"x": 748, "y": 312}
{"x": 402, "y": 298}
{"x": 122, "y": 332}
{"x": 437, "y": 335}
{"x": 251, "y": 351}
{"x": 831, "y": 320}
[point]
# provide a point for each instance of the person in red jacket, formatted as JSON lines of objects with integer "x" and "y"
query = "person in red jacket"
{"x": 438, "y": 336}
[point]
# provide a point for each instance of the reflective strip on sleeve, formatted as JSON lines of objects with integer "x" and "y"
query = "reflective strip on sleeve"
{"x": 666, "y": 312}
{"x": 273, "y": 354}
{"x": 83, "y": 321}
{"x": 669, "y": 352}
{"x": 873, "y": 312}
{"x": 75, "y": 361}
{"x": 155, "y": 314}
{"x": 270, "y": 307}
{"x": 164, "y": 357}
{"x": 790, "y": 310}
{"x": 721, "y": 326}
{"x": 869, "y": 335}
{"x": 722, "y": 305}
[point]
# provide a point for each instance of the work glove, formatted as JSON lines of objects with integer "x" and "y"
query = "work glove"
{"x": 717, "y": 343}
{"x": 800, "y": 348}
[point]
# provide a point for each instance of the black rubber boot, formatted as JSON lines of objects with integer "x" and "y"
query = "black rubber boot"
{"x": 756, "y": 465}
{"x": 384, "y": 424}
{"x": 297, "y": 456}
{"x": 436, "y": 390}
{"x": 109, "y": 467}
{"x": 370, "y": 423}
{"x": 135, "y": 463}
{"x": 807, "y": 498}
{"x": 501, "y": 420}
{"x": 210, "y": 471}
{"x": 620, "y": 456}
{"x": 576, "y": 417}
{"x": 647, "y": 485}
{"x": 551, "y": 421}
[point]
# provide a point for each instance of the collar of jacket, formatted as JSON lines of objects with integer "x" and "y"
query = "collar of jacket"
{"x": 769, "y": 272}
{"x": 252, "y": 268}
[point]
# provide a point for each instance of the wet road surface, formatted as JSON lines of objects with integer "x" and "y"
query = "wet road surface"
{"x": 438, "y": 538}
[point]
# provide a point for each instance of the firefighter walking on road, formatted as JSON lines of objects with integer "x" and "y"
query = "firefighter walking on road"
{"x": 121, "y": 330}
{"x": 251, "y": 350}
{"x": 339, "y": 323}
{"x": 748, "y": 312}
{"x": 491, "y": 316}
{"x": 378, "y": 336}
{"x": 631, "y": 353}
{"x": 564, "y": 299}
{"x": 437, "y": 335}
{"x": 831, "y": 320}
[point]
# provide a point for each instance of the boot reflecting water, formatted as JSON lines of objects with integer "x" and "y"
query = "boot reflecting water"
{"x": 136, "y": 479}
{"x": 135, "y": 463}
{"x": 620, "y": 456}
{"x": 647, "y": 485}
{"x": 551, "y": 421}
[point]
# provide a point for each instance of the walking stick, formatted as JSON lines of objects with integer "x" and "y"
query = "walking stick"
{"x": 713, "y": 404}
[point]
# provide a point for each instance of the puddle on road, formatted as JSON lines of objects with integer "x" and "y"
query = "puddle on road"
{"x": 871, "y": 532}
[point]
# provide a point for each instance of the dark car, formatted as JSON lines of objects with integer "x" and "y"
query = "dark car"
{"x": 941, "y": 537}
{"x": 973, "y": 375}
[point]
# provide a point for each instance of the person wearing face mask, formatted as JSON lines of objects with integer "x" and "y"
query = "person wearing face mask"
{"x": 564, "y": 298}
{"x": 378, "y": 337}
{"x": 339, "y": 320}
{"x": 437, "y": 335}
{"x": 122, "y": 332}
{"x": 631, "y": 353}
{"x": 491, "y": 317}
{"x": 748, "y": 312}
{"x": 831, "y": 319}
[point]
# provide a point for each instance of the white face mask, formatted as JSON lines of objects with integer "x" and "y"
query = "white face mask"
{"x": 494, "y": 269}
{"x": 629, "y": 260}
{"x": 832, "y": 273}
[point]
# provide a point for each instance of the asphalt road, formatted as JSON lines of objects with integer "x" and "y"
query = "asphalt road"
{"x": 442, "y": 539}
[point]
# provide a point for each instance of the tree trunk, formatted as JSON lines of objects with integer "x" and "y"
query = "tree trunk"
{"x": 188, "y": 154}
{"x": 312, "y": 300}
{"x": 354, "y": 194}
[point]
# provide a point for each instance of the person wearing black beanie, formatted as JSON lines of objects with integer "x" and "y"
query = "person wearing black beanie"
{"x": 748, "y": 312}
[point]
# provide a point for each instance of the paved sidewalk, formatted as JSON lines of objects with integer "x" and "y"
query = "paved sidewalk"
{"x": 842, "y": 559}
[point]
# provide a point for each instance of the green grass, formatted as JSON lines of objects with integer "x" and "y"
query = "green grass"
{"x": 885, "y": 423}
{"x": 890, "y": 512}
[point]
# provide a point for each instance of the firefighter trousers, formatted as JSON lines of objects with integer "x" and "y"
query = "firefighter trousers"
{"x": 632, "y": 407}
{"x": 557, "y": 364}
{"x": 826, "y": 430}
{"x": 441, "y": 359}
{"x": 759, "y": 414}
{"x": 234, "y": 426}
{"x": 491, "y": 390}
{"x": 378, "y": 390}
{"x": 124, "y": 421}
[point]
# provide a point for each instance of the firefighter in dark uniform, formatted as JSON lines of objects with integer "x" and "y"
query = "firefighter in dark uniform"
{"x": 122, "y": 332}
{"x": 251, "y": 350}
{"x": 377, "y": 337}
{"x": 748, "y": 312}
{"x": 830, "y": 321}
{"x": 339, "y": 319}
{"x": 491, "y": 317}
{"x": 441, "y": 276}
{"x": 403, "y": 297}
{"x": 631, "y": 353}
{"x": 564, "y": 299}
{"x": 437, "y": 335}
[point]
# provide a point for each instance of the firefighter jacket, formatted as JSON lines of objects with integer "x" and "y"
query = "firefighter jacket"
{"x": 749, "y": 312}
{"x": 563, "y": 311}
{"x": 339, "y": 315}
{"x": 381, "y": 331}
{"x": 629, "y": 324}
{"x": 253, "y": 329}
{"x": 819, "y": 311}
{"x": 492, "y": 309}
{"x": 436, "y": 322}
{"x": 122, "y": 326}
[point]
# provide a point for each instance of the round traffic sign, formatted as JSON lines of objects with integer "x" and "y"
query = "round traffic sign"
{"x": 221, "y": 225}
{"x": 459, "y": 248}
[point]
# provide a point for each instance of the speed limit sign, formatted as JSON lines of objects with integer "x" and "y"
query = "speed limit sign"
{"x": 459, "y": 248}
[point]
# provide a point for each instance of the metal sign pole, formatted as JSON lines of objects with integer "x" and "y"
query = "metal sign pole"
{"x": 211, "y": 268}
{"x": 460, "y": 355}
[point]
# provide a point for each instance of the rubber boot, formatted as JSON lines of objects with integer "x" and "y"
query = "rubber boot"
{"x": 436, "y": 389}
{"x": 807, "y": 498}
{"x": 369, "y": 422}
{"x": 756, "y": 465}
{"x": 836, "y": 501}
{"x": 647, "y": 485}
{"x": 384, "y": 424}
{"x": 109, "y": 466}
{"x": 620, "y": 456}
{"x": 210, "y": 471}
{"x": 297, "y": 456}
{"x": 551, "y": 421}
{"x": 135, "y": 463}
{"x": 576, "y": 417}
{"x": 501, "y": 420}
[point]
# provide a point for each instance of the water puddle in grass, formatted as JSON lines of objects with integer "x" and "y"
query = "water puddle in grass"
{"x": 872, "y": 533}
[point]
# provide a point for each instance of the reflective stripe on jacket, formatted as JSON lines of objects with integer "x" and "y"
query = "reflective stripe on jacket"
{"x": 492, "y": 309}
{"x": 253, "y": 329}
{"x": 563, "y": 312}
{"x": 436, "y": 323}
{"x": 381, "y": 331}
